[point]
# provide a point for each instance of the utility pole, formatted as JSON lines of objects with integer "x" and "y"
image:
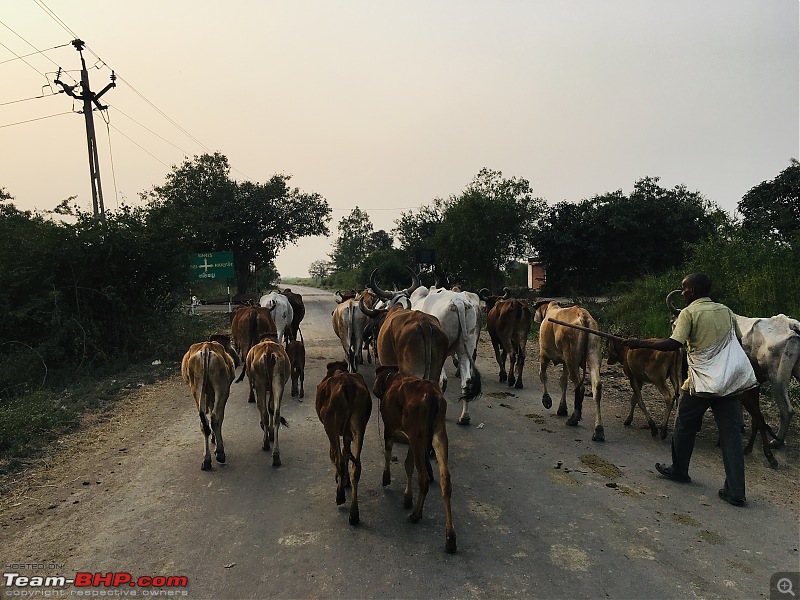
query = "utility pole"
{"x": 89, "y": 98}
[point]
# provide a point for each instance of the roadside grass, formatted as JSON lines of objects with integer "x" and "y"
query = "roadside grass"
{"x": 31, "y": 421}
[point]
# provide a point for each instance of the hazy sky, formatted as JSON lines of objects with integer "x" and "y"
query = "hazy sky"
{"x": 386, "y": 106}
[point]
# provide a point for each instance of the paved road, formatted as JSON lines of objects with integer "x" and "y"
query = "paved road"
{"x": 539, "y": 509}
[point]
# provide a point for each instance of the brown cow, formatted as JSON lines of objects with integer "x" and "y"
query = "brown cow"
{"x": 209, "y": 370}
{"x": 508, "y": 321}
{"x": 411, "y": 340}
{"x": 298, "y": 310}
{"x": 578, "y": 351}
{"x": 344, "y": 406}
{"x": 643, "y": 365}
{"x": 248, "y": 325}
{"x": 413, "y": 411}
{"x": 268, "y": 370}
{"x": 296, "y": 351}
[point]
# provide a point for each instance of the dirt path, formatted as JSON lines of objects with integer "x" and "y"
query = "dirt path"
{"x": 540, "y": 510}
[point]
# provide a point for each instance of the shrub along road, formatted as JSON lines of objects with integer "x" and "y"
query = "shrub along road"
{"x": 539, "y": 509}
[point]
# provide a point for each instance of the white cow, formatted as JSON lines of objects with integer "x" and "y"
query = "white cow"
{"x": 773, "y": 347}
{"x": 459, "y": 316}
{"x": 348, "y": 325}
{"x": 282, "y": 314}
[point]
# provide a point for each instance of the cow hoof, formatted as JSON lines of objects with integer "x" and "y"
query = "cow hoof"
{"x": 599, "y": 434}
{"x": 463, "y": 421}
{"x": 251, "y": 400}
{"x": 547, "y": 402}
{"x": 775, "y": 444}
{"x": 627, "y": 422}
{"x": 276, "y": 460}
{"x": 266, "y": 447}
{"x": 664, "y": 433}
{"x": 220, "y": 457}
{"x": 294, "y": 394}
{"x": 573, "y": 421}
{"x": 511, "y": 381}
{"x": 518, "y": 385}
{"x": 444, "y": 387}
{"x": 206, "y": 466}
{"x": 503, "y": 377}
{"x": 340, "y": 497}
{"x": 354, "y": 519}
{"x": 562, "y": 412}
{"x": 772, "y": 462}
{"x": 450, "y": 544}
{"x": 302, "y": 395}
{"x": 414, "y": 517}
{"x": 653, "y": 429}
{"x": 387, "y": 479}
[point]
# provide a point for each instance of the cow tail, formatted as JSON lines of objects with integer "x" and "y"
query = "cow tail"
{"x": 432, "y": 409}
{"x": 586, "y": 334}
{"x": 204, "y": 408}
{"x": 475, "y": 389}
{"x": 427, "y": 342}
{"x": 350, "y": 392}
{"x": 268, "y": 360}
{"x": 351, "y": 342}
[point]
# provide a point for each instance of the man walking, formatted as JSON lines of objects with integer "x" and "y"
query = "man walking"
{"x": 718, "y": 372}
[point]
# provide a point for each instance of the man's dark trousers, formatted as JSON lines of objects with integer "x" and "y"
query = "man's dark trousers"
{"x": 727, "y": 414}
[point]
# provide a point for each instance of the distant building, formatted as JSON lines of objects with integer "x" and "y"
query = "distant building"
{"x": 536, "y": 273}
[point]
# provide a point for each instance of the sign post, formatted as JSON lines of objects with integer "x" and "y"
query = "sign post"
{"x": 212, "y": 265}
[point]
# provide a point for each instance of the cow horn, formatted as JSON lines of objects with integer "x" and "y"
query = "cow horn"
{"x": 370, "y": 312}
{"x": 376, "y": 290}
{"x": 506, "y": 293}
{"x": 414, "y": 282}
{"x": 675, "y": 311}
{"x": 483, "y": 293}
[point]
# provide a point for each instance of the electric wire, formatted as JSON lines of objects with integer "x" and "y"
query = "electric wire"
{"x": 55, "y": 17}
{"x": 69, "y": 112}
{"x": 139, "y": 145}
{"x": 31, "y": 98}
{"x": 2, "y": 62}
{"x": 42, "y": 52}
{"x": 116, "y": 108}
{"x": 111, "y": 158}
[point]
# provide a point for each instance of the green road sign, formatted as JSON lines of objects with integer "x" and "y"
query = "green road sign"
{"x": 212, "y": 265}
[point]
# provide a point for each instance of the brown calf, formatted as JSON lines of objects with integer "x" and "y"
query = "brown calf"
{"x": 208, "y": 370}
{"x": 297, "y": 358}
{"x": 344, "y": 406}
{"x": 268, "y": 370}
{"x": 643, "y": 365}
{"x": 413, "y": 410}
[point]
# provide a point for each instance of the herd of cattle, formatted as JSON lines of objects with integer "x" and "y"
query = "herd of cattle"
{"x": 410, "y": 333}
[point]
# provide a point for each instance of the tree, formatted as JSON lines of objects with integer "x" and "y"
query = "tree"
{"x": 477, "y": 233}
{"x": 590, "y": 245}
{"x": 353, "y": 243}
{"x": 319, "y": 269}
{"x": 772, "y": 208}
{"x": 201, "y": 209}
{"x": 380, "y": 240}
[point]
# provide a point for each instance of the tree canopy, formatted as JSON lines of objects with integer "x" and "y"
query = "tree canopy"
{"x": 588, "y": 246}
{"x": 202, "y": 209}
{"x": 772, "y": 208}
{"x": 479, "y": 234}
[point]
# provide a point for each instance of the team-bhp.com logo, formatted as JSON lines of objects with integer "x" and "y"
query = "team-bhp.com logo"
{"x": 89, "y": 584}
